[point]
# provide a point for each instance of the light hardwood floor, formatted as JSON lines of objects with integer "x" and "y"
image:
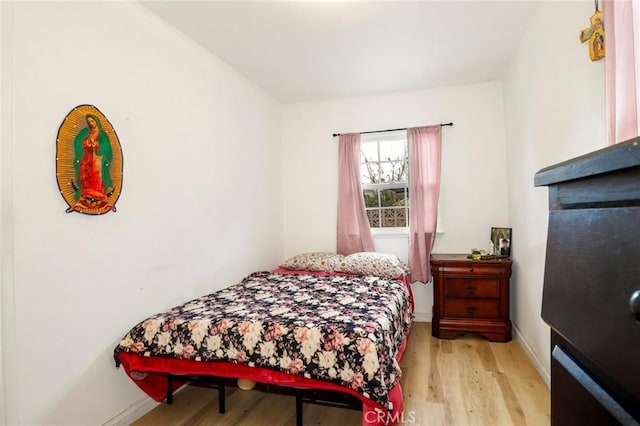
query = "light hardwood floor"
{"x": 466, "y": 381}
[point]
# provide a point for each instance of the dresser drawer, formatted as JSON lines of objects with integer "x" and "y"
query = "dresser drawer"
{"x": 471, "y": 308}
{"x": 592, "y": 270}
{"x": 488, "y": 288}
{"x": 470, "y": 268}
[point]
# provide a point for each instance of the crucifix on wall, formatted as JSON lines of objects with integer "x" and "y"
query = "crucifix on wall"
{"x": 595, "y": 35}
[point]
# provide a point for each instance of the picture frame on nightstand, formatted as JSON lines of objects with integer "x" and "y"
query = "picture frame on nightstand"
{"x": 501, "y": 240}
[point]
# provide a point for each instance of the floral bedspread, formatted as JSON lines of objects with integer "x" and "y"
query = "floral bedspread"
{"x": 342, "y": 329}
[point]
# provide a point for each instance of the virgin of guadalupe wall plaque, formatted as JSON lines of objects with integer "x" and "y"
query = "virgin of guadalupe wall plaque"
{"x": 88, "y": 162}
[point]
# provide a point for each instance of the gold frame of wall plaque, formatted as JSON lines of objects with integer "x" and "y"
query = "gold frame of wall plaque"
{"x": 88, "y": 162}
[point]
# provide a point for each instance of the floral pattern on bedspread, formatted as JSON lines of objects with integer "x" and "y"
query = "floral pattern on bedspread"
{"x": 342, "y": 329}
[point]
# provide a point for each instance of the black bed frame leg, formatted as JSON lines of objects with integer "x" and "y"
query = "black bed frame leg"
{"x": 221, "y": 396}
{"x": 298, "y": 410}
{"x": 169, "y": 389}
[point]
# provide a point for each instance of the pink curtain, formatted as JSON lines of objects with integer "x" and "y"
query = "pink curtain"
{"x": 425, "y": 147}
{"x": 622, "y": 69}
{"x": 354, "y": 234}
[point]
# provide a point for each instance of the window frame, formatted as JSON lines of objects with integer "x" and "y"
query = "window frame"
{"x": 379, "y": 137}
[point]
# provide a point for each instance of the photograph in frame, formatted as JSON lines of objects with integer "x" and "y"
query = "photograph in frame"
{"x": 501, "y": 240}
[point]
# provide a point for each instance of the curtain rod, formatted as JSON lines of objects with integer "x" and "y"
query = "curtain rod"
{"x": 391, "y": 130}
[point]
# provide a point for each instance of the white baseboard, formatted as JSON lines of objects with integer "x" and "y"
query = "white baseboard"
{"x": 422, "y": 316}
{"x": 539, "y": 366}
{"x": 132, "y": 412}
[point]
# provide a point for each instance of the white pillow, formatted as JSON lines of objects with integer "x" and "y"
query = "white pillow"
{"x": 370, "y": 263}
{"x": 314, "y": 261}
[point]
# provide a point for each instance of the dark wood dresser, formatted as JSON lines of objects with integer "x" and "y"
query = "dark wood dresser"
{"x": 470, "y": 296}
{"x": 591, "y": 296}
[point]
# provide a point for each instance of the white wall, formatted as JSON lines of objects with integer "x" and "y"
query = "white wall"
{"x": 2, "y": 215}
{"x": 200, "y": 205}
{"x": 554, "y": 110}
{"x": 474, "y": 174}
{"x": 8, "y": 379}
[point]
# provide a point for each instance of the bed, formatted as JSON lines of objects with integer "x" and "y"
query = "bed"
{"x": 320, "y": 321}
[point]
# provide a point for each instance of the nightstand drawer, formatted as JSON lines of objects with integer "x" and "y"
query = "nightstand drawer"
{"x": 472, "y": 308}
{"x": 488, "y": 288}
{"x": 469, "y": 268}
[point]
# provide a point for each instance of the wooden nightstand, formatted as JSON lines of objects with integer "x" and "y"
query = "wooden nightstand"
{"x": 470, "y": 296}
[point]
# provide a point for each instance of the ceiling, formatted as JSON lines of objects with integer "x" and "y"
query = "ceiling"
{"x": 311, "y": 50}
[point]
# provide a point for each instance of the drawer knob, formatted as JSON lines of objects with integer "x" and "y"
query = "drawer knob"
{"x": 471, "y": 269}
{"x": 471, "y": 289}
{"x": 471, "y": 310}
{"x": 634, "y": 304}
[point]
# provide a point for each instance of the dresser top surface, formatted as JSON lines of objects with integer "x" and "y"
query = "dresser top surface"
{"x": 462, "y": 257}
{"x": 620, "y": 156}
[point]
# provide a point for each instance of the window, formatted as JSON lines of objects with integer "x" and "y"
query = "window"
{"x": 384, "y": 168}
